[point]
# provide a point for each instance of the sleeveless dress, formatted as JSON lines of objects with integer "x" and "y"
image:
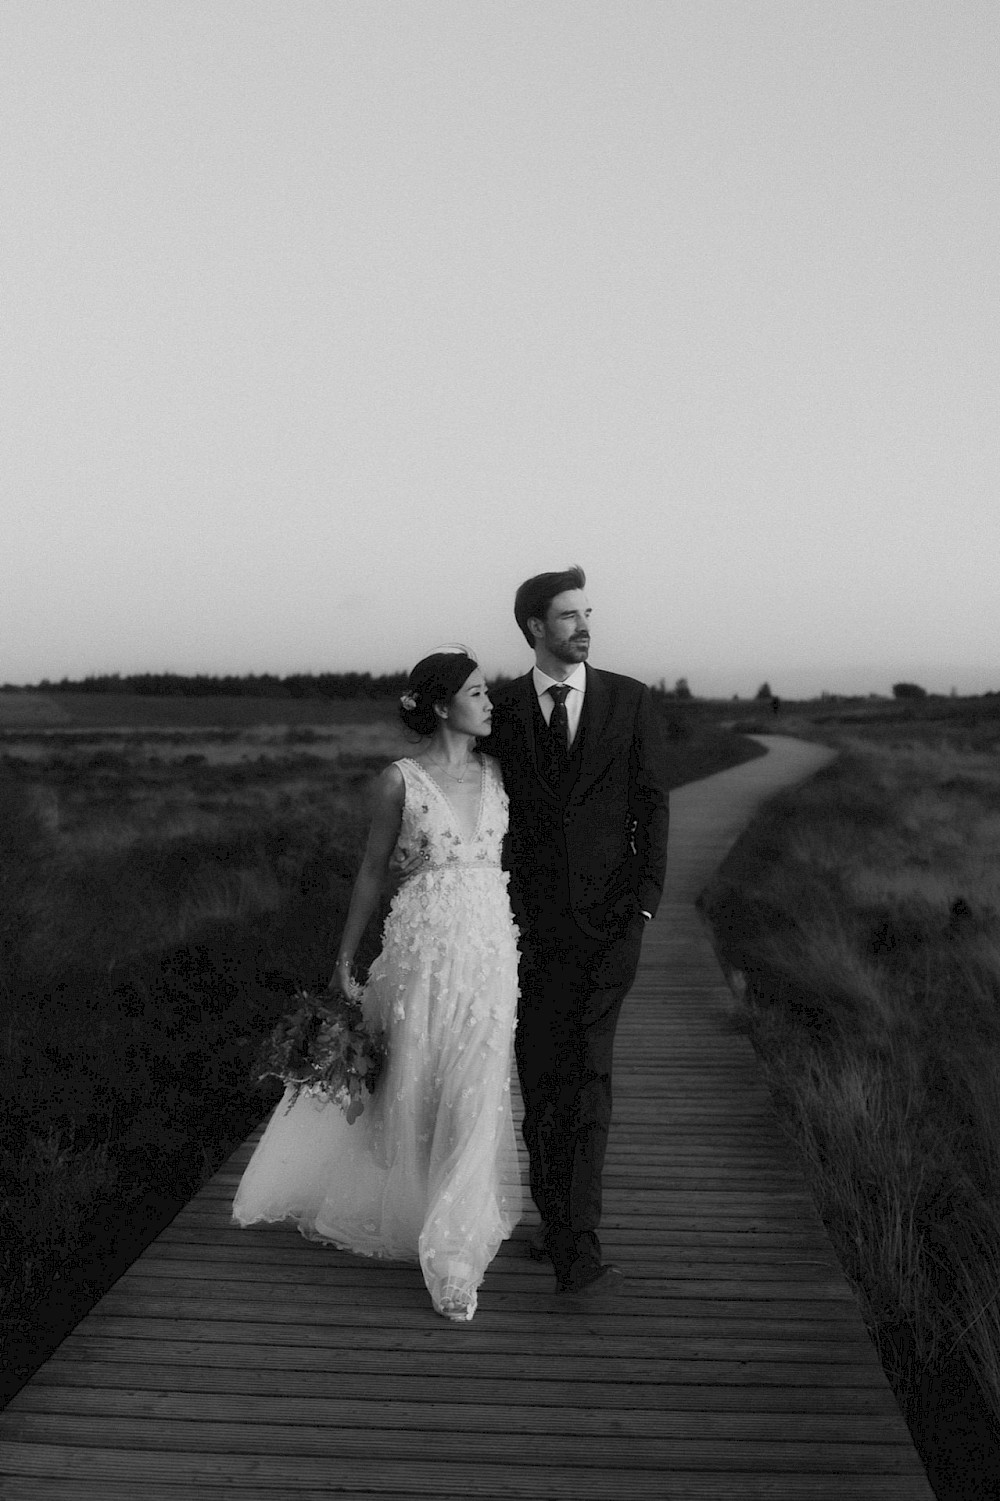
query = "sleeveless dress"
{"x": 429, "y": 1171}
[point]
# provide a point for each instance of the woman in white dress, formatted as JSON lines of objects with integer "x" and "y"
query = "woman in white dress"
{"x": 429, "y": 1171}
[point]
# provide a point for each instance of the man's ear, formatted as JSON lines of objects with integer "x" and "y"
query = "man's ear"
{"x": 536, "y": 627}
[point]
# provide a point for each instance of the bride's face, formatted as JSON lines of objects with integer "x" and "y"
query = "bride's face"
{"x": 470, "y": 711}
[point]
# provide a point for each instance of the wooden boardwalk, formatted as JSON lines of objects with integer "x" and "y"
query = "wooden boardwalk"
{"x": 251, "y": 1365}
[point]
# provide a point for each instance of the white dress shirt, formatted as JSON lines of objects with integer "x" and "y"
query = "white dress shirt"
{"x": 576, "y": 682}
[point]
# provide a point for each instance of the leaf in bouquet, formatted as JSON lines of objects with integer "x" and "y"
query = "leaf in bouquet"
{"x": 324, "y": 1048}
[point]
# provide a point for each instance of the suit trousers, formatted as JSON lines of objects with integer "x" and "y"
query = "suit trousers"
{"x": 572, "y": 990}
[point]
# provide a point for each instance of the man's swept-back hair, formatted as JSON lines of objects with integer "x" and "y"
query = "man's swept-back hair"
{"x": 532, "y": 600}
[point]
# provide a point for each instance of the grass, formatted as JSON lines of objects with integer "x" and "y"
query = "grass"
{"x": 168, "y": 875}
{"x": 860, "y": 916}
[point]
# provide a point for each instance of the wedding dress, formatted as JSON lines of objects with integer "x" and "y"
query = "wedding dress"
{"x": 429, "y": 1171}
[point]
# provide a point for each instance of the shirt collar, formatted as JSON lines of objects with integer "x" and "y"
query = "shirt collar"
{"x": 577, "y": 679}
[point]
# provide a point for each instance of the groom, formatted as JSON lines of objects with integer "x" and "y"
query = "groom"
{"x": 587, "y": 847}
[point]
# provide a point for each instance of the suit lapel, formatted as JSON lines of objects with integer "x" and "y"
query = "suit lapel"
{"x": 523, "y": 704}
{"x": 597, "y": 707}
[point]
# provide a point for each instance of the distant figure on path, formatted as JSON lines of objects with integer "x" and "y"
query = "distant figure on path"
{"x": 429, "y": 1171}
{"x": 582, "y": 764}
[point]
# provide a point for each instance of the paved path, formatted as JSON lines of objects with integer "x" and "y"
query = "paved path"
{"x": 250, "y": 1365}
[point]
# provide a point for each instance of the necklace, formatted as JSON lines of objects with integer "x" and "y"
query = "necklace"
{"x": 451, "y": 774}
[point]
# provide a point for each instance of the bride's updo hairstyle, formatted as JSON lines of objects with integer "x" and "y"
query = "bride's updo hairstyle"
{"x": 435, "y": 680}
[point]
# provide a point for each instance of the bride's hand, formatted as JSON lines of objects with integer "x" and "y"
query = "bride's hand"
{"x": 344, "y": 980}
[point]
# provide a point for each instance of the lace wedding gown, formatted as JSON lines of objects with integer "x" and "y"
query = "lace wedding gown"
{"x": 429, "y": 1171}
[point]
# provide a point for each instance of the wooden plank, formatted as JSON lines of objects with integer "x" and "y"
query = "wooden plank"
{"x": 463, "y": 1417}
{"x": 760, "y": 1282}
{"x": 644, "y": 1230}
{"x": 727, "y": 1367}
{"x": 181, "y": 1297}
{"x": 117, "y": 1476}
{"x": 245, "y": 1446}
{"x": 738, "y": 1393}
{"x": 752, "y": 1340}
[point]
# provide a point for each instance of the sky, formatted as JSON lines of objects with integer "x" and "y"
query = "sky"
{"x": 324, "y": 323}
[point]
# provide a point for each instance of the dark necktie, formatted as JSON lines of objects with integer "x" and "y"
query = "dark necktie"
{"x": 559, "y": 725}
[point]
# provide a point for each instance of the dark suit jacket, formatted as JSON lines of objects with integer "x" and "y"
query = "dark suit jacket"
{"x": 598, "y": 847}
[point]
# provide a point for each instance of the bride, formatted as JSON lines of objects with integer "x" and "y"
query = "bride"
{"x": 429, "y": 1171}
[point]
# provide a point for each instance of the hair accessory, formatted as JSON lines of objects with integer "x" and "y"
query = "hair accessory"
{"x": 408, "y": 701}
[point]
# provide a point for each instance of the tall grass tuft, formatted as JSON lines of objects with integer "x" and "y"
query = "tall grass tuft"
{"x": 862, "y": 911}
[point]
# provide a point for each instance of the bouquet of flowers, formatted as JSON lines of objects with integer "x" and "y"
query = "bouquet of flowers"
{"x": 324, "y": 1048}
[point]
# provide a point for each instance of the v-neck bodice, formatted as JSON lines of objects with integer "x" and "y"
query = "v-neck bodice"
{"x": 431, "y": 822}
{"x": 442, "y": 792}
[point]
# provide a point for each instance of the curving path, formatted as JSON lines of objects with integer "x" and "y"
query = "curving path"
{"x": 707, "y": 817}
{"x": 249, "y": 1365}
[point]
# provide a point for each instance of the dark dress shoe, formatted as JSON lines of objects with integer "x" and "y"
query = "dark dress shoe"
{"x": 602, "y": 1282}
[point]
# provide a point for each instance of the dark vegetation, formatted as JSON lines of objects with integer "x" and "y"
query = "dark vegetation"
{"x": 140, "y": 969}
{"x": 170, "y": 870}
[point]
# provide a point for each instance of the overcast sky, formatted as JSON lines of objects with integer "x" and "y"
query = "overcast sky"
{"x": 326, "y": 322}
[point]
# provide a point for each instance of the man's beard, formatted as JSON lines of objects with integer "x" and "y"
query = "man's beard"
{"x": 573, "y": 650}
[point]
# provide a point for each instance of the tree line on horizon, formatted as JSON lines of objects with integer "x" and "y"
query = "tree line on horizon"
{"x": 338, "y": 685}
{"x": 249, "y": 685}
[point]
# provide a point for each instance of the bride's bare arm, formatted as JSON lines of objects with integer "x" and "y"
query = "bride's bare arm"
{"x": 387, "y": 799}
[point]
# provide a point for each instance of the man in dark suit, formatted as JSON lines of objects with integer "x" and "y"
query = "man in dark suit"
{"x": 582, "y": 764}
